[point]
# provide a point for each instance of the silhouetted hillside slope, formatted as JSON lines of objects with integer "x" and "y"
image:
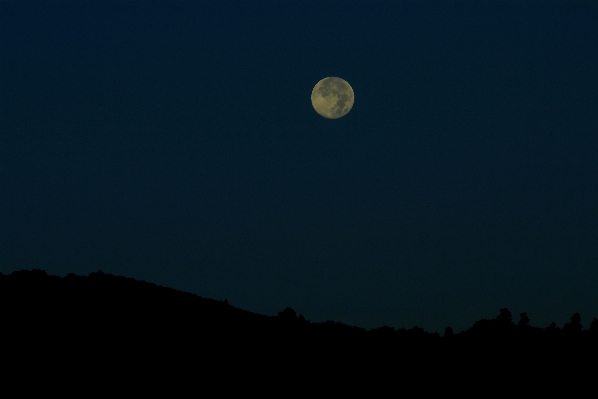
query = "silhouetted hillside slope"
{"x": 102, "y": 316}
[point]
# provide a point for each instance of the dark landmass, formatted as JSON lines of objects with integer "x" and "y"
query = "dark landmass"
{"x": 106, "y": 319}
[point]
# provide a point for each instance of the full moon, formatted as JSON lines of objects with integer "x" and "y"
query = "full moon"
{"x": 332, "y": 97}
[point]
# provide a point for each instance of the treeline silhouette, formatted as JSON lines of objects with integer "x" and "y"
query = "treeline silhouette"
{"x": 102, "y": 316}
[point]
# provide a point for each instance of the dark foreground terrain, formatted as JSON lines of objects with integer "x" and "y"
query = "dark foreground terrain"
{"x": 117, "y": 326}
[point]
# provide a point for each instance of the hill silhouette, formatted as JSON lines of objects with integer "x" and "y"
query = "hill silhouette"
{"x": 101, "y": 316}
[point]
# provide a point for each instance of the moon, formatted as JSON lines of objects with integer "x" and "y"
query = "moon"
{"x": 332, "y": 97}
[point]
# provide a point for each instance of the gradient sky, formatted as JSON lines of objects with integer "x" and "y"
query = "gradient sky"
{"x": 175, "y": 142}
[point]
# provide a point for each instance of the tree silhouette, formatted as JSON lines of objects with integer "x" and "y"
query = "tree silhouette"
{"x": 448, "y": 332}
{"x": 523, "y": 320}
{"x": 574, "y": 325}
{"x": 505, "y": 317}
{"x": 594, "y": 325}
{"x": 288, "y": 314}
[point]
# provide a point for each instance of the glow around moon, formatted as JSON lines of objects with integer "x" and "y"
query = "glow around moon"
{"x": 332, "y": 97}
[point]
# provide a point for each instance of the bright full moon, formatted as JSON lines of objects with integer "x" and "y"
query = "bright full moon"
{"x": 332, "y": 97}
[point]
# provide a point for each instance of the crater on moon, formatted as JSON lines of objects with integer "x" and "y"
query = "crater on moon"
{"x": 332, "y": 97}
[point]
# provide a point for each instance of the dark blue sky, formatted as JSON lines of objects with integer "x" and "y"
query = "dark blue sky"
{"x": 176, "y": 142}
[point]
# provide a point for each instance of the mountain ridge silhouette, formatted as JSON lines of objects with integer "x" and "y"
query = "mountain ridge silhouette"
{"x": 102, "y": 316}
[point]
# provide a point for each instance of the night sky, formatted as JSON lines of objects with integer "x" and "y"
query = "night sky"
{"x": 175, "y": 142}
